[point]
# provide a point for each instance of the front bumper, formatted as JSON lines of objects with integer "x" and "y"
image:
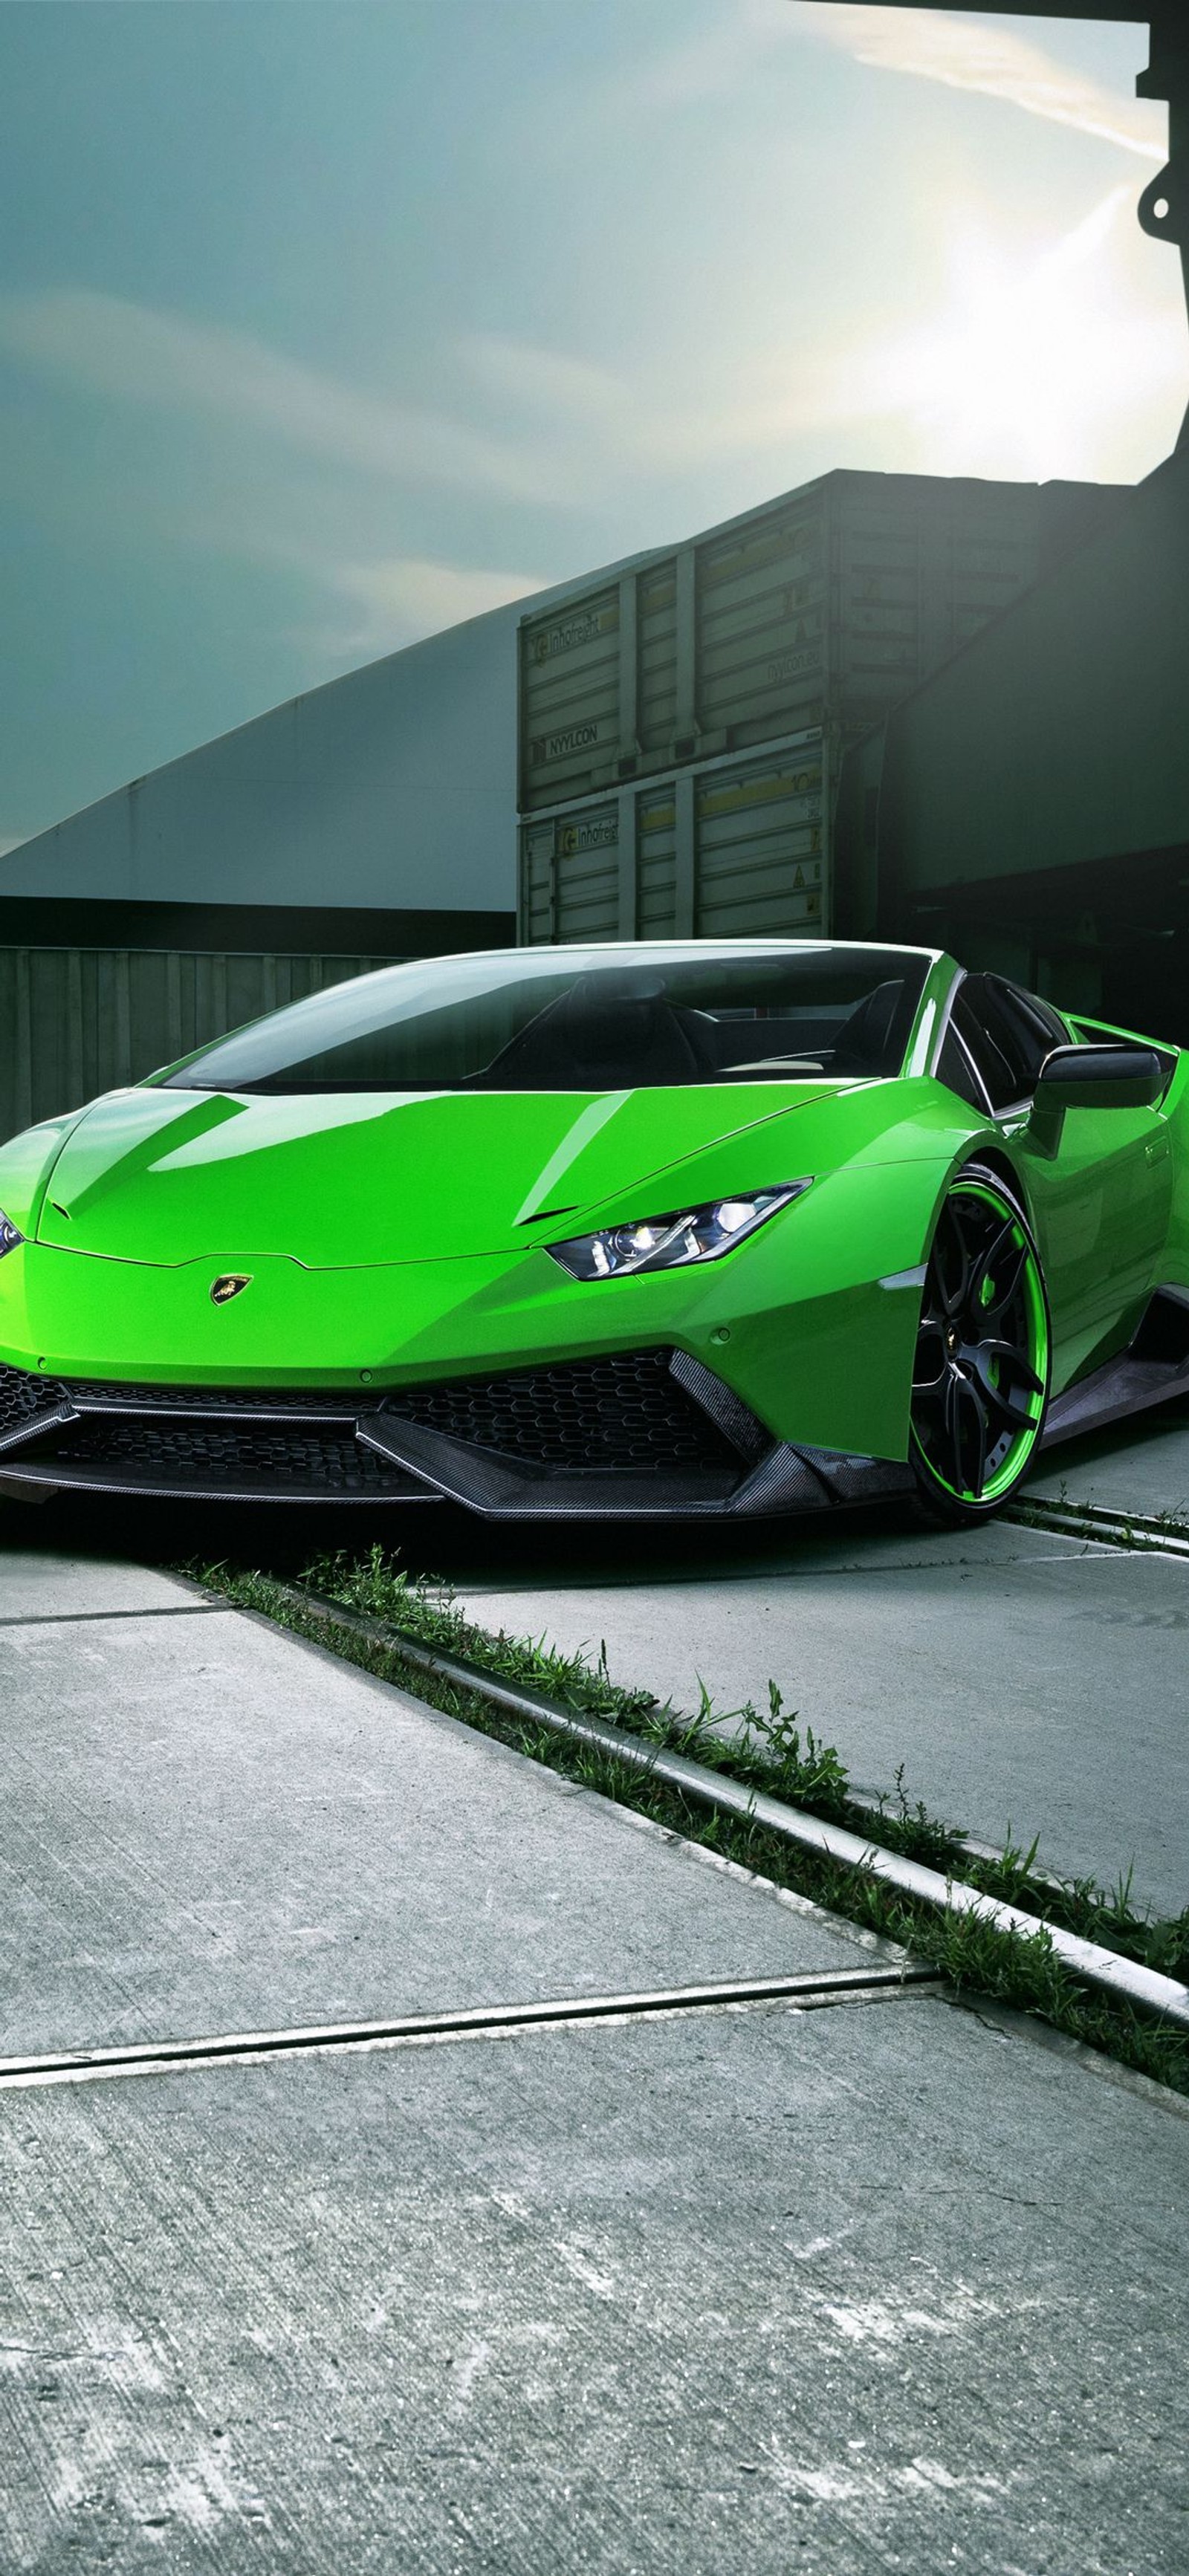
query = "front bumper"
{"x": 649, "y": 1433}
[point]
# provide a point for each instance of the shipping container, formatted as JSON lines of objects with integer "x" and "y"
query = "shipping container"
{"x": 821, "y": 609}
{"x": 78, "y": 1021}
{"x": 720, "y": 850}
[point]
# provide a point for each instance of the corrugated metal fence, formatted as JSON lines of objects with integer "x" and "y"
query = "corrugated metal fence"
{"x": 77, "y": 1021}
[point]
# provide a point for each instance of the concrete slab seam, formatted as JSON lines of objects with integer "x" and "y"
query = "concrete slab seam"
{"x": 90, "y": 1618}
{"x": 810, "y": 1989}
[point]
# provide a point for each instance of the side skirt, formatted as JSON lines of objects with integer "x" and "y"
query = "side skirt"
{"x": 1154, "y": 1367}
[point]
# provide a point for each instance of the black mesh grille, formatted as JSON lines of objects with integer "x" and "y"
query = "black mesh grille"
{"x": 221, "y": 1399}
{"x": 22, "y": 1395}
{"x": 626, "y": 1411}
{"x": 184, "y": 1456}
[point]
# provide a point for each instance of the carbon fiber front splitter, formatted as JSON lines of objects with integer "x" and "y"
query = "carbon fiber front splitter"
{"x": 653, "y": 1435}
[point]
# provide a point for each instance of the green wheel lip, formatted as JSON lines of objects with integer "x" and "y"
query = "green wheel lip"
{"x": 1024, "y": 1442}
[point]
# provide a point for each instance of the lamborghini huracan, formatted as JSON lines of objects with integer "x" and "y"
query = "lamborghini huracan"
{"x": 657, "y": 1229}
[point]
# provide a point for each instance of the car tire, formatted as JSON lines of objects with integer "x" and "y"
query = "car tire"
{"x": 981, "y": 1368}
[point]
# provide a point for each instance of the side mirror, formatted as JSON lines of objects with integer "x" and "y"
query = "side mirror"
{"x": 1100, "y": 1077}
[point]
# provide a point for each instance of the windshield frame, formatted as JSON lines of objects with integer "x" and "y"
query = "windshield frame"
{"x": 576, "y": 959}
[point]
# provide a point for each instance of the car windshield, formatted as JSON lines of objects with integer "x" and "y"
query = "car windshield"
{"x": 584, "y": 1020}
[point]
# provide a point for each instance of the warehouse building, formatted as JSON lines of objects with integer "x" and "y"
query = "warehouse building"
{"x": 370, "y": 819}
{"x": 368, "y": 811}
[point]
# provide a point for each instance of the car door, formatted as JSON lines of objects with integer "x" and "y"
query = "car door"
{"x": 1100, "y": 1196}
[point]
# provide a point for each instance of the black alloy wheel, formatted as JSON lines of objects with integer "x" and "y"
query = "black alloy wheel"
{"x": 980, "y": 1379}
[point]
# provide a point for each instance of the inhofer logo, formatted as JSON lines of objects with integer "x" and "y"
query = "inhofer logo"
{"x": 228, "y": 1285}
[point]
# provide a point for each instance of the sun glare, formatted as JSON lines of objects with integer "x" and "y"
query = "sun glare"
{"x": 1035, "y": 363}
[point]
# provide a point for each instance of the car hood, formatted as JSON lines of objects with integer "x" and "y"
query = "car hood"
{"x": 347, "y": 1180}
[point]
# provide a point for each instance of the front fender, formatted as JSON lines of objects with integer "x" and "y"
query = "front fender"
{"x": 818, "y": 1333}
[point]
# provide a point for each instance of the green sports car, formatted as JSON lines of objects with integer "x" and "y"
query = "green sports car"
{"x": 678, "y": 1229}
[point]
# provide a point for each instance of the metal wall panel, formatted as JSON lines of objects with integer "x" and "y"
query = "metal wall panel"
{"x": 78, "y": 1021}
{"x": 734, "y": 847}
{"x": 915, "y": 574}
{"x": 393, "y": 778}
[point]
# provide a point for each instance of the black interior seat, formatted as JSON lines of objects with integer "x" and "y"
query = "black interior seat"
{"x": 608, "y": 1033}
{"x": 862, "y": 1042}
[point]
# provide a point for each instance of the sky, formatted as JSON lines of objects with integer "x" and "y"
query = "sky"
{"x": 327, "y": 323}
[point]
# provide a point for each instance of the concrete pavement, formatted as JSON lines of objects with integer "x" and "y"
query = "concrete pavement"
{"x": 882, "y": 2282}
{"x": 866, "y": 2287}
{"x": 211, "y": 1827}
{"x": 1140, "y": 1466}
{"x": 1029, "y": 1684}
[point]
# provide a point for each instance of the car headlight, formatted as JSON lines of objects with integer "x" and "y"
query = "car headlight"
{"x": 672, "y": 1242}
{"x": 10, "y": 1235}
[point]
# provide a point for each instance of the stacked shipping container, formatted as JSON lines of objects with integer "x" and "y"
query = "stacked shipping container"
{"x": 648, "y": 807}
{"x": 726, "y": 847}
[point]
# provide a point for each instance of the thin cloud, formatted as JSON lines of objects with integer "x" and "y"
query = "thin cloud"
{"x": 396, "y": 599}
{"x": 563, "y": 383}
{"x": 409, "y": 596}
{"x": 707, "y": 63}
{"x": 610, "y": 429}
{"x": 986, "y": 58}
{"x": 961, "y": 53}
{"x": 137, "y": 354}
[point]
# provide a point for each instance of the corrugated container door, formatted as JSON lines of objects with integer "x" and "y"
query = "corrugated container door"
{"x": 821, "y": 609}
{"x": 656, "y": 647}
{"x": 569, "y": 699}
{"x": 875, "y": 557}
{"x": 586, "y": 865}
{"x": 536, "y": 883}
{"x": 761, "y": 626}
{"x": 917, "y": 567}
{"x": 656, "y": 863}
{"x": 760, "y": 864}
